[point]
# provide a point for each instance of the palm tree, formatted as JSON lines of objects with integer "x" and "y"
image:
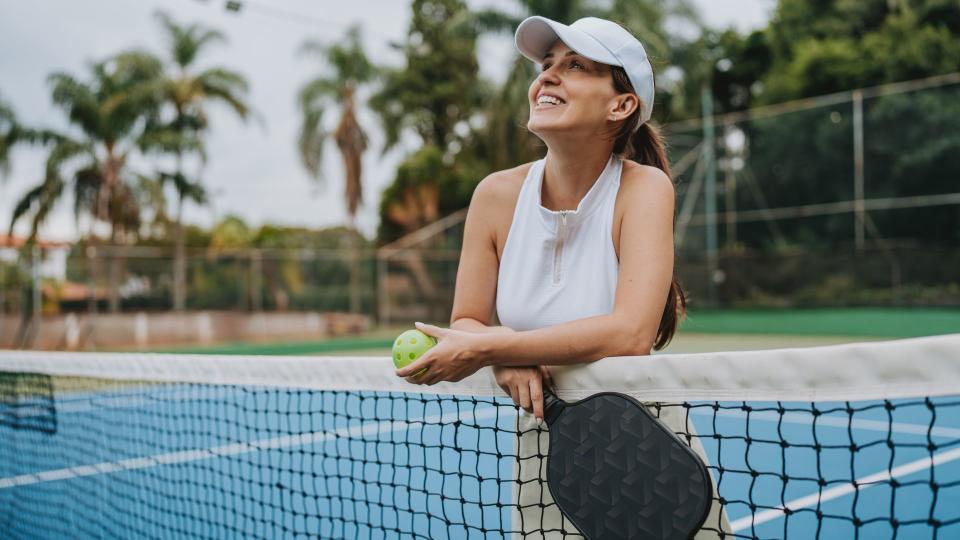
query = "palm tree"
{"x": 92, "y": 160}
{"x": 187, "y": 92}
{"x": 350, "y": 70}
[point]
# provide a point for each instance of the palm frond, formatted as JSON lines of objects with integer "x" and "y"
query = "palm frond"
{"x": 77, "y": 99}
{"x": 227, "y": 86}
{"x": 171, "y": 139}
{"x": 186, "y": 41}
{"x": 41, "y": 200}
{"x": 62, "y": 152}
{"x": 311, "y": 140}
{"x": 188, "y": 190}
{"x": 489, "y": 21}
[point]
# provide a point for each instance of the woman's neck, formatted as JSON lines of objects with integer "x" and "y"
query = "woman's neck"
{"x": 568, "y": 176}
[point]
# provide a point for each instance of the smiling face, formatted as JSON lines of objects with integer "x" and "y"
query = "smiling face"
{"x": 574, "y": 94}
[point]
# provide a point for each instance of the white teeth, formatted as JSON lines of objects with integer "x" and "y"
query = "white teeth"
{"x": 548, "y": 99}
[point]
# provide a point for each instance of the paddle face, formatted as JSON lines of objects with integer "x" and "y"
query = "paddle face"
{"x": 615, "y": 471}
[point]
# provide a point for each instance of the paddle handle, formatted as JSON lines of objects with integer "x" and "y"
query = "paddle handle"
{"x": 552, "y": 406}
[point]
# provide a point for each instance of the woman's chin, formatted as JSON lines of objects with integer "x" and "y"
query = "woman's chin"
{"x": 542, "y": 126}
{"x": 540, "y": 121}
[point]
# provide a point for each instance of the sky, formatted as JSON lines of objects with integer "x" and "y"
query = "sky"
{"x": 253, "y": 169}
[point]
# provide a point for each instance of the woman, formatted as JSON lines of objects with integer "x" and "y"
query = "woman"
{"x": 574, "y": 251}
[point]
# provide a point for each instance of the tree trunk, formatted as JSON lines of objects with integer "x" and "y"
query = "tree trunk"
{"x": 355, "y": 292}
{"x": 426, "y": 290}
{"x": 113, "y": 288}
{"x": 93, "y": 270}
{"x": 179, "y": 261}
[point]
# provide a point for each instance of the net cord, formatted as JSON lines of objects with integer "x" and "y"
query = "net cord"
{"x": 928, "y": 366}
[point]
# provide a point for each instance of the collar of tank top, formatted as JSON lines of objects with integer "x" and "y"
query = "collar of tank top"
{"x": 593, "y": 200}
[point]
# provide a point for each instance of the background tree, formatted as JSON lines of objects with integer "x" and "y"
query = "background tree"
{"x": 435, "y": 95}
{"x": 351, "y": 70}
{"x": 188, "y": 90}
{"x": 92, "y": 159}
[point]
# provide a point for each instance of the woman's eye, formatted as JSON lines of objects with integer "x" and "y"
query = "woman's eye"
{"x": 573, "y": 63}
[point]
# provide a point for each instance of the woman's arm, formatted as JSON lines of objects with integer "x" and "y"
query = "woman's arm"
{"x": 474, "y": 297}
{"x": 524, "y": 384}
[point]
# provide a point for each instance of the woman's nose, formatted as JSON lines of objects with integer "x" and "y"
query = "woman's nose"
{"x": 548, "y": 74}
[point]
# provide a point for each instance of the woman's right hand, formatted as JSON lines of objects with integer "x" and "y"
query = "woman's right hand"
{"x": 525, "y": 384}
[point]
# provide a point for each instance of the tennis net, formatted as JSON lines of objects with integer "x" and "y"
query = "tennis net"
{"x": 859, "y": 440}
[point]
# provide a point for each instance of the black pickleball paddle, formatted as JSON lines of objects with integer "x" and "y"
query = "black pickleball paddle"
{"x": 616, "y": 471}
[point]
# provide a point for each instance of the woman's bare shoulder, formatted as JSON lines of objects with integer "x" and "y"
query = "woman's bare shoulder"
{"x": 501, "y": 187}
{"x": 640, "y": 181}
{"x": 494, "y": 202}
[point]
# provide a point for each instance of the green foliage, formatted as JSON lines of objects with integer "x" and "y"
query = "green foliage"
{"x": 829, "y": 46}
{"x": 231, "y": 232}
{"x": 425, "y": 189}
{"x": 438, "y": 88}
{"x": 434, "y": 95}
{"x": 812, "y": 48}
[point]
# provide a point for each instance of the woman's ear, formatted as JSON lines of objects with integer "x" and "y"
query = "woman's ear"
{"x": 623, "y": 106}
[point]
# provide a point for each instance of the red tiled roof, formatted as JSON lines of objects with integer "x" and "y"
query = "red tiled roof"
{"x": 7, "y": 240}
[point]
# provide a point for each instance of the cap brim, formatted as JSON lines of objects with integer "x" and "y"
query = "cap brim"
{"x": 536, "y": 35}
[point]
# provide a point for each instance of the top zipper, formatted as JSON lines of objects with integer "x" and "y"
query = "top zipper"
{"x": 558, "y": 250}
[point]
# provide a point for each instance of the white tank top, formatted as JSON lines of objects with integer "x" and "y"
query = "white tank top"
{"x": 559, "y": 266}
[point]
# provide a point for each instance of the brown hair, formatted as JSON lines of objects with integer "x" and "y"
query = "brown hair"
{"x": 645, "y": 145}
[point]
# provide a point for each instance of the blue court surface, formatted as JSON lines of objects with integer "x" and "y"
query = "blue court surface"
{"x": 162, "y": 461}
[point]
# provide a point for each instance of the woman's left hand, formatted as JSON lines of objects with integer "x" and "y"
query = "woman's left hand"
{"x": 455, "y": 356}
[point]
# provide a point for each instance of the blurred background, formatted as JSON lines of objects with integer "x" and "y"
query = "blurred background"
{"x": 291, "y": 176}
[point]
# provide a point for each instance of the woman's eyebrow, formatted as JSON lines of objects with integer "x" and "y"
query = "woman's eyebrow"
{"x": 569, "y": 53}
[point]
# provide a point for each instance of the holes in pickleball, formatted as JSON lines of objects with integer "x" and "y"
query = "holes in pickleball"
{"x": 412, "y": 355}
{"x": 413, "y": 341}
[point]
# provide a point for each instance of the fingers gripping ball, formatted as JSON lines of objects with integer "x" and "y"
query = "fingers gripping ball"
{"x": 409, "y": 346}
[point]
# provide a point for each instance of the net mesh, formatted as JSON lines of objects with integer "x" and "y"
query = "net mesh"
{"x": 95, "y": 445}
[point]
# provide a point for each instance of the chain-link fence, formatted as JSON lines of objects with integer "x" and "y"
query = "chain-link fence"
{"x": 847, "y": 199}
{"x": 47, "y": 285}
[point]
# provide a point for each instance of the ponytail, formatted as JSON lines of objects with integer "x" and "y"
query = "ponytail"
{"x": 645, "y": 145}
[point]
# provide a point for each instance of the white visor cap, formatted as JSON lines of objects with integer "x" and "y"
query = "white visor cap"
{"x": 599, "y": 40}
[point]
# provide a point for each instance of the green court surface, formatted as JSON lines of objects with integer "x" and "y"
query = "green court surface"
{"x": 367, "y": 344}
{"x": 865, "y": 322}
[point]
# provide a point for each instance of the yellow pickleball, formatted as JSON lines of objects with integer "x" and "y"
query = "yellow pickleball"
{"x": 409, "y": 346}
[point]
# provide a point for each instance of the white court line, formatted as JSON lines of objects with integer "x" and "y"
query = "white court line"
{"x": 177, "y": 397}
{"x": 99, "y": 402}
{"x": 838, "y": 422}
{"x": 198, "y": 454}
{"x": 846, "y": 489}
